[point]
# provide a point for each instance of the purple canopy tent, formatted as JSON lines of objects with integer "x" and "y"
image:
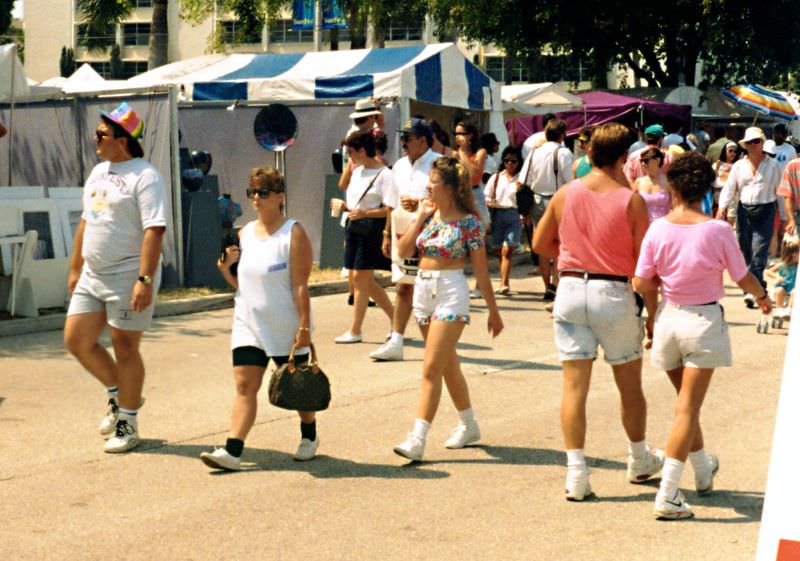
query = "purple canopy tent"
{"x": 604, "y": 107}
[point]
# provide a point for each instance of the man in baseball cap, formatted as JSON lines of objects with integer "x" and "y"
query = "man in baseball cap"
{"x": 653, "y": 136}
{"x": 115, "y": 269}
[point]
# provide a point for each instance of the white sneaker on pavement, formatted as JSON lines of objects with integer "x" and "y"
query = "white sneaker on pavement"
{"x": 126, "y": 438}
{"x": 642, "y": 469}
{"x": 675, "y": 508}
{"x": 463, "y": 435}
{"x": 577, "y": 487}
{"x": 221, "y": 459}
{"x": 749, "y": 300}
{"x": 109, "y": 423}
{"x": 704, "y": 481}
{"x": 306, "y": 450}
{"x": 347, "y": 338}
{"x": 388, "y": 351}
{"x": 412, "y": 448}
{"x": 475, "y": 293}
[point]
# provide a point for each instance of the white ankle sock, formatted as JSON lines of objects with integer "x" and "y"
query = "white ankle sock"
{"x": 396, "y": 338}
{"x": 112, "y": 391}
{"x": 700, "y": 462}
{"x": 637, "y": 449}
{"x": 576, "y": 460}
{"x": 671, "y": 475}
{"x": 421, "y": 428}
{"x": 466, "y": 415}
{"x": 128, "y": 415}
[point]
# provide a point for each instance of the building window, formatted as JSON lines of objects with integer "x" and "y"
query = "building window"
{"x": 131, "y": 68}
{"x": 105, "y": 39}
{"x": 135, "y": 34}
{"x": 404, "y": 32}
{"x": 496, "y": 69}
{"x": 232, "y": 33}
{"x": 143, "y": 3}
{"x": 102, "y": 68}
{"x": 280, "y": 31}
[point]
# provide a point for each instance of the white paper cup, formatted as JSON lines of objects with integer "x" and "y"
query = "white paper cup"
{"x": 336, "y": 207}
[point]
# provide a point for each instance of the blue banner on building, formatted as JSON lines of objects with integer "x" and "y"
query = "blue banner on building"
{"x": 332, "y": 14}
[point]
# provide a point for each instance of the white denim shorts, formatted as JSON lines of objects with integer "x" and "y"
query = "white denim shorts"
{"x": 588, "y": 313}
{"x": 694, "y": 336}
{"x": 112, "y": 294}
{"x": 441, "y": 296}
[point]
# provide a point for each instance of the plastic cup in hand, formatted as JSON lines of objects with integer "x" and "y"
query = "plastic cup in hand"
{"x": 337, "y": 205}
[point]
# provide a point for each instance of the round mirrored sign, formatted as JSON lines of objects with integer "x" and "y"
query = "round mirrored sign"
{"x": 275, "y": 127}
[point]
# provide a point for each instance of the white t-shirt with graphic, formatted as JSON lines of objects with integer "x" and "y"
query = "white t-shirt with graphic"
{"x": 120, "y": 201}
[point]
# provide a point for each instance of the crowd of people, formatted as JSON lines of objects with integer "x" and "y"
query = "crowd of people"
{"x": 630, "y": 226}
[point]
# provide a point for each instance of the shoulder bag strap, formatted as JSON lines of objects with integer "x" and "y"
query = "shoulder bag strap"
{"x": 555, "y": 166}
{"x": 371, "y": 183}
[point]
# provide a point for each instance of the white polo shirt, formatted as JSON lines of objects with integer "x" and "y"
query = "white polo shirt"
{"x": 751, "y": 189}
{"x": 411, "y": 179}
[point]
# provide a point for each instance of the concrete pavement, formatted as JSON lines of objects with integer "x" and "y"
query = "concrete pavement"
{"x": 62, "y": 498}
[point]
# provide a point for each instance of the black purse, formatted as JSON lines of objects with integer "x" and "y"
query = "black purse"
{"x": 300, "y": 388}
{"x": 367, "y": 227}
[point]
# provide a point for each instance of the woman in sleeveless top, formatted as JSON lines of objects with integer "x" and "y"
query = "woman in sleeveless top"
{"x": 595, "y": 226}
{"x": 652, "y": 186}
{"x": 473, "y": 157}
{"x": 272, "y": 312}
{"x": 446, "y": 233}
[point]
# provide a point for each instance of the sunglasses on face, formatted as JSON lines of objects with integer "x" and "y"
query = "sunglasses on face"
{"x": 510, "y": 161}
{"x": 460, "y": 133}
{"x": 406, "y": 137}
{"x": 100, "y": 135}
{"x": 262, "y": 193}
{"x": 754, "y": 141}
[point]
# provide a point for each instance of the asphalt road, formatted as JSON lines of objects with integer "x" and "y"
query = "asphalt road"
{"x": 62, "y": 498}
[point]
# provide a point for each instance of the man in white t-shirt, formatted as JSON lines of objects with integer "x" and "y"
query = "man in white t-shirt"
{"x": 409, "y": 186}
{"x": 536, "y": 139}
{"x": 115, "y": 269}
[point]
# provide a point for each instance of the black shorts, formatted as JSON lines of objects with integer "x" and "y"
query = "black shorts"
{"x": 253, "y": 356}
{"x": 364, "y": 252}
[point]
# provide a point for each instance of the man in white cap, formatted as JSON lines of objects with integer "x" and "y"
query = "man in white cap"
{"x": 752, "y": 183}
{"x": 115, "y": 270}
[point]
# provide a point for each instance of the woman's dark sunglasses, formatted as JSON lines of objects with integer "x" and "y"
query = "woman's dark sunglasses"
{"x": 754, "y": 141}
{"x": 262, "y": 193}
{"x": 510, "y": 161}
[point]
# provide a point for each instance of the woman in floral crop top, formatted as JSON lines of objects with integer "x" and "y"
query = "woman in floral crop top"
{"x": 447, "y": 232}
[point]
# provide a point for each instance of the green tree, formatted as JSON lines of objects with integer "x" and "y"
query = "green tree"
{"x": 5, "y": 17}
{"x": 115, "y": 62}
{"x": 100, "y": 17}
{"x": 66, "y": 62}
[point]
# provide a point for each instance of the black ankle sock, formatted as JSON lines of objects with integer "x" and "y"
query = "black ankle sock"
{"x": 234, "y": 447}
{"x": 309, "y": 430}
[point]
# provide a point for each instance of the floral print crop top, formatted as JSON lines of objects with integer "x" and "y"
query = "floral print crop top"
{"x": 451, "y": 239}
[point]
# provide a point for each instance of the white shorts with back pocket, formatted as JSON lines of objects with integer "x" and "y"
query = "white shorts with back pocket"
{"x": 694, "y": 336}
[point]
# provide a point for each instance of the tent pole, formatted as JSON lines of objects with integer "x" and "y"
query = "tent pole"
{"x": 11, "y": 114}
{"x": 175, "y": 172}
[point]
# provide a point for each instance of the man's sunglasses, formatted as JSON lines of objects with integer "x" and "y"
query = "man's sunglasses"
{"x": 99, "y": 135}
{"x": 262, "y": 193}
{"x": 754, "y": 141}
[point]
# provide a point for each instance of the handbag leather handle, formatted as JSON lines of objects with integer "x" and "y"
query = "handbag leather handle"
{"x": 313, "y": 363}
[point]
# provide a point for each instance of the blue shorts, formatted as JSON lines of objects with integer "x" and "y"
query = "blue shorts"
{"x": 506, "y": 227}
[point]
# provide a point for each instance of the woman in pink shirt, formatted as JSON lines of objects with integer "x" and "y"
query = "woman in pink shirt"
{"x": 595, "y": 226}
{"x": 685, "y": 254}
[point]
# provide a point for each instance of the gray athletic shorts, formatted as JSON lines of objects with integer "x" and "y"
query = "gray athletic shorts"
{"x": 112, "y": 294}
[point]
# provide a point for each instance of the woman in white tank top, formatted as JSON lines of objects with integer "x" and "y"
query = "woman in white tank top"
{"x": 272, "y": 312}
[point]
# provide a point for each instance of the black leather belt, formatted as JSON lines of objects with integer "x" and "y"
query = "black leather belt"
{"x": 586, "y": 275}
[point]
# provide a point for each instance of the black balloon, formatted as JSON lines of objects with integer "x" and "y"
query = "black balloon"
{"x": 275, "y": 127}
{"x": 201, "y": 160}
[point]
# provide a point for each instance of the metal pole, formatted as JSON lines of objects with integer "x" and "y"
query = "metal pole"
{"x": 11, "y": 113}
{"x": 317, "y": 25}
{"x": 175, "y": 184}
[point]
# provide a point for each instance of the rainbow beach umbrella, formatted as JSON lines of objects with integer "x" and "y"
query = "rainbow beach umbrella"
{"x": 762, "y": 100}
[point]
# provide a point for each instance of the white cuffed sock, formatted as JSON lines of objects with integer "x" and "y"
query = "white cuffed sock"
{"x": 128, "y": 415}
{"x": 421, "y": 428}
{"x": 637, "y": 449}
{"x": 466, "y": 415}
{"x": 396, "y": 338}
{"x": 700, "y": 461}
{"x": 671, "y": 475}
{"x": 112, "y": 392}
{"x": 576, "y": 460}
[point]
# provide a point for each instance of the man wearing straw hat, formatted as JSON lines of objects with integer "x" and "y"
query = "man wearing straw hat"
{"x": 115, "y": 269}
{"x": 752, "y": 183}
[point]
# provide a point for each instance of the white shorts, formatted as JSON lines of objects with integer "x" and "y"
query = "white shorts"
{"x": 441, "y": 296}
{"x": 694, "y": 336}
{"x": 588, "y": 313}
{"x": 112, "y": 294}
{"x": 404, "y": 271}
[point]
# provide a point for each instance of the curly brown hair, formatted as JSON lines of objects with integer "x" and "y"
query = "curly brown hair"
{"x": 455, "y": 175}
{"x": 691, "y": 176}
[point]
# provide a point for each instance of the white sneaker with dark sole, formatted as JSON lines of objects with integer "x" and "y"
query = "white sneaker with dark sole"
{"x": 642, "y": 469}
{"x": 412, "y": 448}
{"x": 126, "y": 438}
{"x": 463, "y": 435}
{"x": 704, "y": 481}
{"x": 221, "y": 459}
{"x": 577, "y": 487}
{"x": 307, "y": 450}
{"x": 675, "y": 508}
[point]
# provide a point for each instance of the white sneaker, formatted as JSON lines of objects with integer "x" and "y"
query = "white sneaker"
{"x": 412, "y": 448}
{"x": 475, "y": 293}
{"x": 126, "y": 438}
{"x": 306, "y": 450}
{"x": 749, "y": 300}
{"x": 642, "y": 469}
{"x": 388, "y": 351}
{"x": 221, "y": 459}
{"x": 704, "y": 481}
{"x": 109, "y": 423}
{"x": 577, "y": 487}
{"x": 463, "y": 435}
{"x": 675, "y": 508}
{"x": 347, "y": 338}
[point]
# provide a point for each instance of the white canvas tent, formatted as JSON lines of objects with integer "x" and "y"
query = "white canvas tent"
{"x": 537, "y": 99}
{"x": 13, "y": 83}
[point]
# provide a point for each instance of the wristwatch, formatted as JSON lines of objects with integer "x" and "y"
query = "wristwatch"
{"x": 145, "y": 279}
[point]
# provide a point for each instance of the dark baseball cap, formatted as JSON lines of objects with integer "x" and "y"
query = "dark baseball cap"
{"x": 417, "y": 127}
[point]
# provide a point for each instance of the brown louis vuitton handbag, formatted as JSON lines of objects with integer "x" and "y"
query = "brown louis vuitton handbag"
{"x": 300, "y": 388}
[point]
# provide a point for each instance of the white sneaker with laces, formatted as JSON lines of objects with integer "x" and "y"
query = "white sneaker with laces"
{"x": 125, "y": 438}
{"x": 306, "y": 450}
{"x": 475, "y": 293}
{"x": 675, "y": 508}
{"x": 347, "y": 338}
{"x": 412, "y": 448}
{"x": 577, "y": 487}
{"x": 388, "y": 351}
{"x": 750, "y": 300}
{"x": 221, "y": 459}
{"x": 704, "y": 481}
{"x": 109, "y": 422}
{"x": 642, "y": 469}
{"x": 464, "y": 434}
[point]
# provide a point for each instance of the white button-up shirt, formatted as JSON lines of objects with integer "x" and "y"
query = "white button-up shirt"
{"x": 411, "y": 179}
{"x": 750, "y": 189}
{"x": 500, "y": 191}
{"x": 538, "y": 170}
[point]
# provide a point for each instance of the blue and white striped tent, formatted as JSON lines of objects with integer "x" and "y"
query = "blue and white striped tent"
{"x": 437, "y": 74}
